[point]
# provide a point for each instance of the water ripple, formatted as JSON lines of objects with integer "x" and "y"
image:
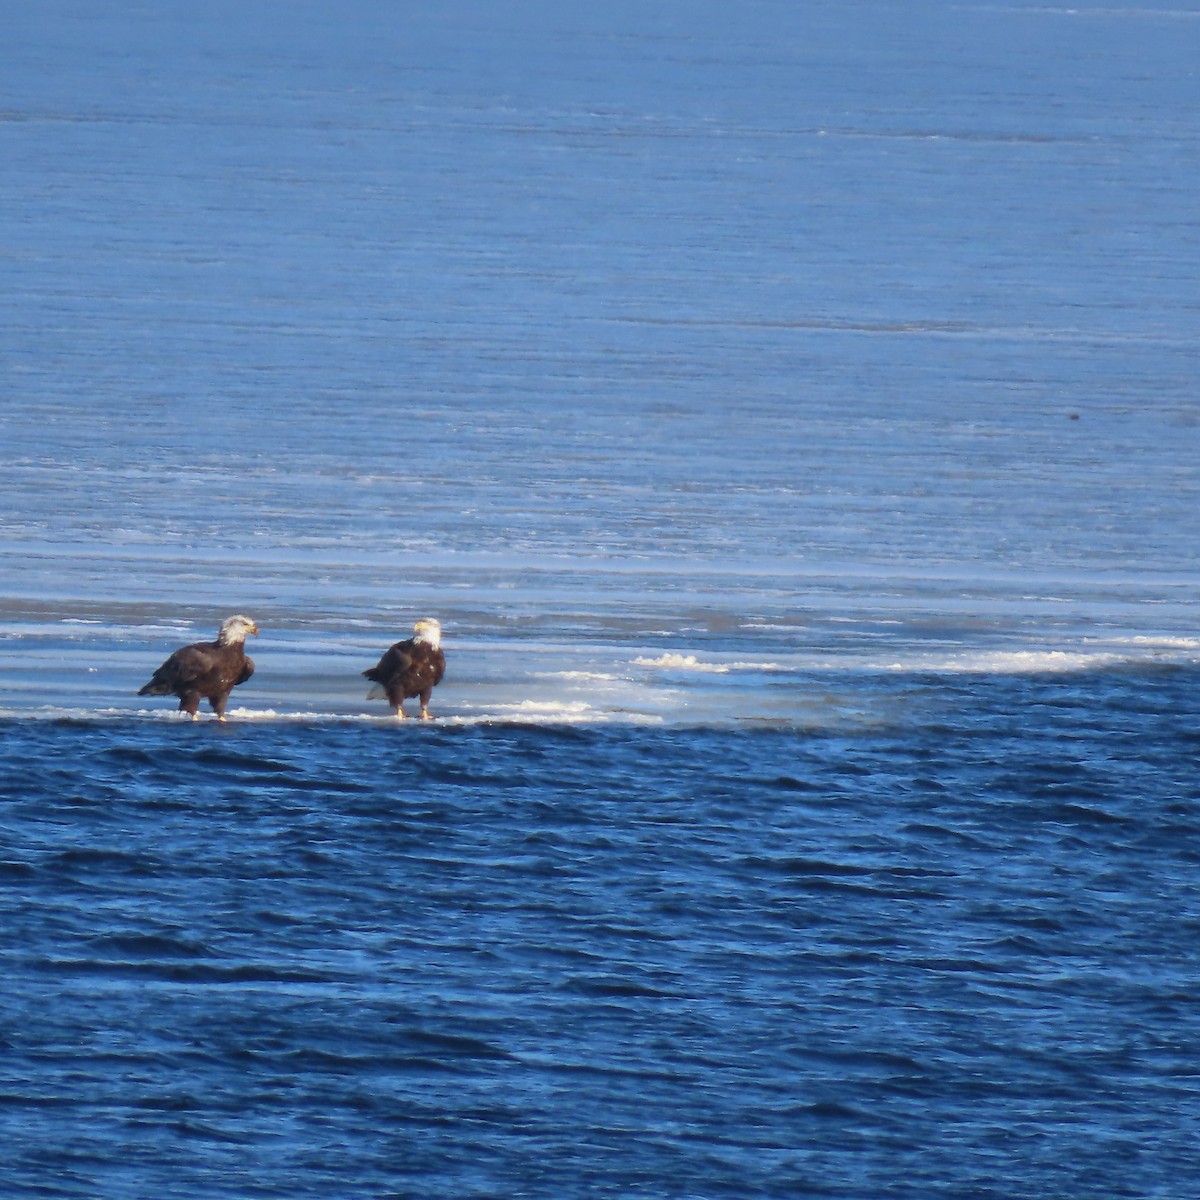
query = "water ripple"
{"x": 498, "y": 937}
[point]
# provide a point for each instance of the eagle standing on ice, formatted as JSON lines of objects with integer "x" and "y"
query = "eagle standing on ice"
{"x": 206, "y": 669}
{"x": 410, "y": 668}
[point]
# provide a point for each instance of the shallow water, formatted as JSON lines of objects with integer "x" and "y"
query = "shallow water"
{"x": 789, "y": 412}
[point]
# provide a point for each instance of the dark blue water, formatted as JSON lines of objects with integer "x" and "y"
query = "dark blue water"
{"x": 951, "y": 955}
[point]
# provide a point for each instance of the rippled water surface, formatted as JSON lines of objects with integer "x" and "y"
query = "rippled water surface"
{"x": 951, "y": 955}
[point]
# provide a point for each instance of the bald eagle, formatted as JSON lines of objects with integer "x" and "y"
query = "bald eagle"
{"x": 410, "y": 668}
{"x": 206, "y": 669}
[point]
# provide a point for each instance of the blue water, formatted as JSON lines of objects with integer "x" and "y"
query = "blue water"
{"x": 952, "y": 956}
{"x": 790, "y": 413}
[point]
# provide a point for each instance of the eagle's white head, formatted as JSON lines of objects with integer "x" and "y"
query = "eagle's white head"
{"x": 429, "y": 631}
{"x": 234, "y": 630}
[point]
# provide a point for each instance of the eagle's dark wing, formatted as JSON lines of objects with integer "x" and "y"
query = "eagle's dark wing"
{"x": 185, "y": 670}
{"x": 397, "y": 661}
{"x": 193, "y": 664}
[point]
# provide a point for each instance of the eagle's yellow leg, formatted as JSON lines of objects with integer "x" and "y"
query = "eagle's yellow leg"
{"x": 399, "y": 713}
{"x": 425, "y": 715}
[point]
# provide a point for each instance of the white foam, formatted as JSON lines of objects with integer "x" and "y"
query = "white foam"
{"x": 681, "y": 662}
{"x": 1022, "y": 662}
{"x": 1009, "y": 662}
{"x": 564, "y": 708}
{"x": 1165, "y": 643}
{"x": 689, "y": 662}
{"x": 580, "y": 676}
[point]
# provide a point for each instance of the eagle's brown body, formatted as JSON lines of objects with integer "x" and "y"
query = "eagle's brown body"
{"x": 206, "y": 670}
{"x": 410, "y": 668}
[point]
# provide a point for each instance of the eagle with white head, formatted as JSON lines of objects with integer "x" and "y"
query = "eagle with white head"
{"x": 206, "y": 670}
{"x": 413, "y": 667}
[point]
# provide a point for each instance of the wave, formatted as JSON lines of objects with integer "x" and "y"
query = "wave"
{"x": 553, "y": 712}
{"x": 1114, "y": 653}
{"x": 1009, "y": 662}
{"x": 1164, "y": 643}
{"x": 580, "y": 676}
{"x": 689, "y": 662}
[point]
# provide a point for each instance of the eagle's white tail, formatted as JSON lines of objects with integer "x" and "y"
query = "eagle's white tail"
{"x": 377, "y": 693}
